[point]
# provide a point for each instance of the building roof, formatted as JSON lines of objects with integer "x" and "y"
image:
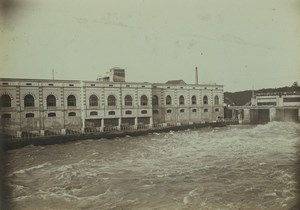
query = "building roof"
{"x": 175, "y": 82}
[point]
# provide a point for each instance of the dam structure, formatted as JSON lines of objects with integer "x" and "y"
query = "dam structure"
{"x": 268, "y": 107}
{"x": 42, "y": 107}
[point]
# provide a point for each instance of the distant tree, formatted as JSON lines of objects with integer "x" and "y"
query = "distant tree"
{"x": 295, "y": 84}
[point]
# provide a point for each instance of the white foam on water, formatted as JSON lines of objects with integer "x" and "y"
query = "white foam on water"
{"x": 22, "y": 171}
{"x": 22, "y": 198}
{"x": 226, "y": 165}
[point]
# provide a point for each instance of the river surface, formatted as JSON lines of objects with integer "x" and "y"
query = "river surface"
{"x": 234, "y": 167}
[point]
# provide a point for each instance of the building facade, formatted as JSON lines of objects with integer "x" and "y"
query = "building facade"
{"x": 45, "y": 107}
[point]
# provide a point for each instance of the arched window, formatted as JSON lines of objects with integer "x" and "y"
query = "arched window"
{"x": 169, "y": 111}
{"x": 6, "y": 116}
{"x": 93, "y": 113}
{"x": 216, "y": 110}
{"x": 205, "y": 100}
{"x": 5, "y": 101}
{"x": 93, "y": 100}
{"x": 168, "y": 100}
{"x": 128, "y": 112}
{"x": 181, "y": 110}
{"x": 181, "y": 100}
{"x": 72, "y": 114}
{"x": 71, "y": 100}
{"x": 28, "y": 101}
{"x": 216, "y": 100}
{"x": 52, "y": 114}
{"x": 29, "y": 115}
{"x": 144, "y": 111}
{"x": 111, "y": 113}
{"x": 205, "y": 110}
{"x": 155, "y": 111}
{"x": 51, "y": 100}
{"x": 194, "y": 110}
{"x": 194, "y": 100}
{"x": 154, "y": 100}
{"x": 144, "y": 100}
{"x": 128, "y": 100}
{"x": 111, "y": 100}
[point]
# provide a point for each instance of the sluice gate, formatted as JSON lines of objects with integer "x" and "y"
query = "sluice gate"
{"x": 264, "y": 114}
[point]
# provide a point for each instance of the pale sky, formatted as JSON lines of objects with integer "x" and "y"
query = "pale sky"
{"x": 236, "y": 43}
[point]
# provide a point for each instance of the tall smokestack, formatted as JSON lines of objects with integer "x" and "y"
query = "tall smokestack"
{"x": 196, "y": 76}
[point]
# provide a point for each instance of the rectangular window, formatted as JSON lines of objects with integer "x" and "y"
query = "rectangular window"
{"x": 295, "y": 99}
{"x": 6, "y": 116}
{"x": 111, "y": 113}
{"x": 92, "y": 84}
{"x": 205, "y": 110}
{"x": 71, "y": 85}
{"x": 266, "y": 104}
{"x": 29, "y": 115}
{"x": 4, "y": 83}
{"x": 72, "y": 114}
{"x": 50, "y": 84}
{"x": 128, "y": 112}
{"x": 28, "y": 84}
{"x": 52, "y": 114}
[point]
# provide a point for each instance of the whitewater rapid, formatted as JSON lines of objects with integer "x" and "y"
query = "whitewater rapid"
{"x": 234, "y": 167}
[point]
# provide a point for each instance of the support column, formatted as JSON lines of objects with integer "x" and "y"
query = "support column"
{"x": 63, "y": 131}
{"x": 135, "y": 122}
{"x": 102, "y": 125}
{"x": 299, "y": 114}
{"x": 119, "y": 124}
{"x": 42, "y": 132}
{"x": 272, "y": 114}
{"x": 19, "y": 134}
{"x": 151, "y": 122}
{"x": 239, "y": 116}
{"x": 246, "y": 116}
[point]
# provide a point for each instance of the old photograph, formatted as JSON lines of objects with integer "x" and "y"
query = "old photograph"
{"x": 139, "y": 104}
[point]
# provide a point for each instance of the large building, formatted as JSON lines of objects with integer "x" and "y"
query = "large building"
{"x": 45, "y": 107}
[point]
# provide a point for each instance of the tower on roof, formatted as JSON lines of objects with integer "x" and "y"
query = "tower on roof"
{"x": 117, "y": 74}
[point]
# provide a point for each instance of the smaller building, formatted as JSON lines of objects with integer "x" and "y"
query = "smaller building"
{"x": 266, "y": 107}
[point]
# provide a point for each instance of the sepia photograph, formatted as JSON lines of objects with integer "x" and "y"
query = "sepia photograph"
{"x": 150, "y": 105}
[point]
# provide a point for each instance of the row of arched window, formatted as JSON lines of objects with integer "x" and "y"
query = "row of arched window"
{"x": 5, "y": 100}
{"x": 193, "y": 100}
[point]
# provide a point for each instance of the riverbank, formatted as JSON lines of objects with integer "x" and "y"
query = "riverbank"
{"x": 14, "y": 143}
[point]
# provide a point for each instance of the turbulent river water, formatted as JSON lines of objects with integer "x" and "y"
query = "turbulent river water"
{"x": 234, "y": 167}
